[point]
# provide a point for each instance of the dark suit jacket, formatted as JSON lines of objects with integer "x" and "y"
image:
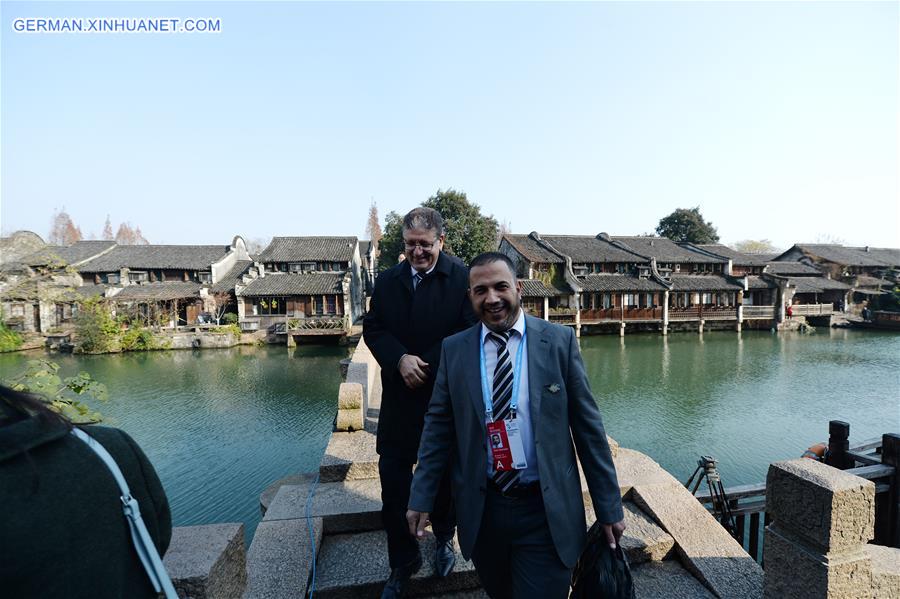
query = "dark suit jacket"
{"x": 402, "y": 322}
{"x": 562, "y": 409}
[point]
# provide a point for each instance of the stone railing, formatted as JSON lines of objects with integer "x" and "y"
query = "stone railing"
{"x": 817, "y": 544}
{"x": 208, "y": 562}
{"x": 354, "y": 394}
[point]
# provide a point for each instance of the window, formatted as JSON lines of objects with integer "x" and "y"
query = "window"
{"x": 206, "y": 277}
{"x": 630, "y": 300}
{"x": 607, "y": 300}
{"x": 331, "y": 304}
{"x": 270, "y": 306}
{"x": 295, "y": 267}
{"x": 137, "y": 277}
{"x": 64, "y": 312}
{"x": 17, "y": 310}
{"x": 112, "y": 279}
{"x": 707, "y": 298}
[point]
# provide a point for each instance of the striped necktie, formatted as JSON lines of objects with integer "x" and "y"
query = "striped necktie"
{"x": 417, "y": 278}
{"x": 502, "y": 396}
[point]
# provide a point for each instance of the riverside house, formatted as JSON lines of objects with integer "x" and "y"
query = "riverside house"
{"x": 40, "y": 289}
{"x": 856, "y": 275}
{"x": 303, "y": 286}
{"x": 651, "y": 283}
{"x": 165, "y": 285}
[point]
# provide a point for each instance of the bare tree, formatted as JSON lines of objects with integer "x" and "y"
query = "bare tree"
{"x": 220, "y": 302}
{"x": 754, "y": 246}
{"x": 373, "y": 228}
{"x": 128, "y": 236}
{"x": 256, "y": 245}
{"x": 107, "y": 230}
{"x": 63, "y": 231}
{"x": 504, "y": 228}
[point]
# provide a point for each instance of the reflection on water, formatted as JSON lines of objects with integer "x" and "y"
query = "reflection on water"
{"x": 747, "y": 399}
{"x": 218, "y": 425}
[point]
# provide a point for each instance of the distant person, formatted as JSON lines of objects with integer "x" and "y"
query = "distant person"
{"x": 519, "y": 502}
{"x": 415, "y": 305}
{"x": 63, "y": 533}
{"x": 789, "y": 311}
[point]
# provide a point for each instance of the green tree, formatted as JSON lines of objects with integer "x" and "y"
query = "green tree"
{"x": 687, "y": 225}
{"x": 468, "y": 232}
{"x": 96, "y": 330}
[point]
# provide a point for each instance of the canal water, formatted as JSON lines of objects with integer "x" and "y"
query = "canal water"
{"x": 220, "y": 425}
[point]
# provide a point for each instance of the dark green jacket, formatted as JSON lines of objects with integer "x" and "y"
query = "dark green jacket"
{"x": 62, "y": 530}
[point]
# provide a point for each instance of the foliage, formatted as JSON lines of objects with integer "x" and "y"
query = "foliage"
{"x": 256, "y": 245}
{"x": 63, "y": 231}
{"x": 391, "y": 244}
{"x": 754, "y": 246}
{"x": 10, "y": 340}
{"x": 230, "y": 318}
{"x": 95, "y": 328}
{"x": 138, "y": 339}
{"x": 687, "y": 225}
{"x": 41, "y": 377}
{"x": 373, "y": 228}
{"x": 468, "y": 232}
{"x": 226, "y": 329}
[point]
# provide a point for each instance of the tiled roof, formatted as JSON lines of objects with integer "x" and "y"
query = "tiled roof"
{"x": 65, "y": 255}
{"x": 31, "y": 289}
{"x": 537, "y": 288}
{"x": 146, "y": 257}
{"x": 666, "y": 250}
{"x": 615, "y": 282}
{"x": 864, "y": 281}
{"x": 364, "y": 245}
{"x": 294, "y": 284}
{"x": 703, "y": 283}
{"x": 158, "y": 291}
{"x": 852, "y": 256}
{"x": 737, "y": 258}
{"x": 817, "y": 284}
{"x": 232, "y": 277}
{"x": 18, "y": 245}
{"x": 296, "y": 249}
{"x": 91, "y": 290}
{"x": 793, "y": 268}
{"x": 532, "y": 250}
{"x": 757, "y": 282}
{"x": 586, "y": 248}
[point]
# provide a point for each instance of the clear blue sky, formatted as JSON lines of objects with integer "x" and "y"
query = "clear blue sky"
{"x": 780, "y": 120}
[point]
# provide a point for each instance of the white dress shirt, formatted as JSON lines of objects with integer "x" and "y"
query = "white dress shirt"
{"x": 523, "y": 415}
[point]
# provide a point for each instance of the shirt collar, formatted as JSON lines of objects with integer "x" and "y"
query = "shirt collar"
{"x": 427, "y": 272}
{"x": 519, "y": 327}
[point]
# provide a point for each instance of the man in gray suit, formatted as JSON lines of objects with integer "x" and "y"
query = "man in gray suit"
{"x": 510, "y": 398}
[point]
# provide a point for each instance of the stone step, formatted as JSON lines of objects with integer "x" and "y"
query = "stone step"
{"x": 348, "y": 506}
{"x": 643, "y": 540}
{"x": 349, "y": 456}
{"x": 356, "y": 565}
{"x": 666, "y": 580}
{"x": 885, "y": 570}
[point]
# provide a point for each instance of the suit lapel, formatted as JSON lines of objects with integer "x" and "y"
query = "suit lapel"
{"x": 538, "y": 353}
{"x": 472, "y": 366}
{"x": 405, "y": 276}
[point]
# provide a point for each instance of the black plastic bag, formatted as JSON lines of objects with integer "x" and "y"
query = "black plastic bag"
{"x": 601, "y": 572}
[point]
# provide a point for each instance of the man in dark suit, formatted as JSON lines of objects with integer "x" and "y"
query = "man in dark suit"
{"x": 521, "y": 514}
{"x": 415, "y": 305}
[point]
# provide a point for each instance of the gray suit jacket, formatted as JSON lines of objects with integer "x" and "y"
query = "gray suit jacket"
{"x": 562, "y": 409}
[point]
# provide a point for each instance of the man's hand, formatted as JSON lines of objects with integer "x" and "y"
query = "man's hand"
{"x": 417, "y": 522}
{"x": 413, "y": 370}
{"x": 613, "y": 532}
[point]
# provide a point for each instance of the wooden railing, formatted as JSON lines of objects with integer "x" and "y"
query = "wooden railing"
{"x": 691, "y": 313}
{"x": 703, "y": 312}
{"x": 748, "y": 502}
{"x": 758, "y": 312}
{"x": 562, "y": 316}
{"x": 318, "y": 323}
{"x": 812, "y": 309}
{"x": 617, "y": 314}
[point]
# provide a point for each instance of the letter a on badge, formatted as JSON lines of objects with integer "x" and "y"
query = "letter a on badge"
{"x": 499, "y": 466}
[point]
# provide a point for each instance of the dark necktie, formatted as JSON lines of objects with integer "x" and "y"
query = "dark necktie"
{"x": 417, "y": 278}
{"x": 502, "y": 396}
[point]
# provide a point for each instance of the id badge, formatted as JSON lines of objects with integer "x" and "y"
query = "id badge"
{"x": 505, "y": 441}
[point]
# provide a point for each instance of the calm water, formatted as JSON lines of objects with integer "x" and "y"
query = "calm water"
{"x": 220, "y": 425}
{"x": 747, "y": 399}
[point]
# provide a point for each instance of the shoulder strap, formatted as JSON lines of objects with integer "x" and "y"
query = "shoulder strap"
{"x": 143, "y": 544}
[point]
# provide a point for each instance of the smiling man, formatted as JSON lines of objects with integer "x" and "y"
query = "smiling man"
{"x": 510, "y": 398}
{"x": 415, "y": 305}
